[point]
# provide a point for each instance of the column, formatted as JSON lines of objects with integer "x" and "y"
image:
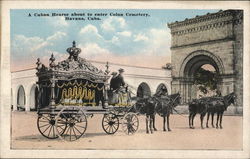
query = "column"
{"x": 14, "y": 100}
{"x": 27, "y": 102}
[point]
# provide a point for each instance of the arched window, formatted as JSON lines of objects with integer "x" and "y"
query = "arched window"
{"x": 21, "y": 97}
{"x": 33, "y": 97}
{"x": 162, "y": 86}
{"x": 143, "y": 90}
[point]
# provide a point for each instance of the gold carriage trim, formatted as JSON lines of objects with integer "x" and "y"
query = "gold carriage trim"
{"x": 91, "y": 85}
{"x": 77, "y": 104}
{"x": 80, "y": 93}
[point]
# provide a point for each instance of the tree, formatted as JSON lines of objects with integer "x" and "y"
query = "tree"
{"x": 206, "y": 80}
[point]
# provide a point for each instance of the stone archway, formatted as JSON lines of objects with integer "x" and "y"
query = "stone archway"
{"x": 143, "y": 90}
{"x": 21, "y": 98}
{"x": 198, "y": 58}
{"x": 190, "y": 66}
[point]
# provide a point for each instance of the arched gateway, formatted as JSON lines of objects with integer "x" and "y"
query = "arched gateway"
{"x": 189, "y": 67}
{"x": 214, "y": 39}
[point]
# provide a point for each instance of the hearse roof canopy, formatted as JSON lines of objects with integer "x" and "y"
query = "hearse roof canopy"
{"x": 74, "y": 67}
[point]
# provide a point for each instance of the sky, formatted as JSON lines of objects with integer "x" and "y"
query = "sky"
{"x": 131, "y": 40}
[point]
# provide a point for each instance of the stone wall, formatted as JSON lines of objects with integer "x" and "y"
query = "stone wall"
{"x": 198, "y": 30}
{"x": 238, "y": 58}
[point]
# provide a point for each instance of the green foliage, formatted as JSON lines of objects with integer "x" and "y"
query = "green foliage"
{"x": 206, "y": 80}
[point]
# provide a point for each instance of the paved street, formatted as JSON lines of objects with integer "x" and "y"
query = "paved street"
{"x": 25, "y": 135}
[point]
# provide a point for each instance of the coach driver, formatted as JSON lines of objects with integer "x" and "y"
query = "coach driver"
{"x": 117, "y": 83}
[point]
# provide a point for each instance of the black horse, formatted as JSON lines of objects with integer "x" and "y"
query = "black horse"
{"x": 219, "y": 105}
{"x": 196, "y": 107}
{"x": 165, "y": 107}
{"x": 160, "y": 105}
{"x": 147, "y": 106}
{"x": 210, "y": 105}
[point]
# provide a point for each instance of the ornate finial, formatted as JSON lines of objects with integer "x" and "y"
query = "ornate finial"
{"x": 38, "y": 64}
{"x": 52, "y": 61}
{"x": 52, "y": 58}
{"x": 38, "y": 61}
{"x": 73, "y": 51}
{"x": 107, "y": 68}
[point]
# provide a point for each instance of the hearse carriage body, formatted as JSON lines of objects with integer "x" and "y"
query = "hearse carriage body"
{"x": 73, "y": 90}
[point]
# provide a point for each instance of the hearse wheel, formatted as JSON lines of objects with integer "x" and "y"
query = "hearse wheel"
{"x": 130, "y": 123}
{"x": 110, "y": 123}
{"x": 76, "y": 123}
{"x": 46, "y": 126}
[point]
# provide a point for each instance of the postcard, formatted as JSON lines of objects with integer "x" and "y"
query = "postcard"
{"x": 124, "y": 79}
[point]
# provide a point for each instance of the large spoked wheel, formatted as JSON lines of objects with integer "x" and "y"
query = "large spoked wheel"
{"x": 75, "y": 121}
{"x": 110, "y": 123}
{"x": 46, "y": 126}
{"x": 130, "y": 123}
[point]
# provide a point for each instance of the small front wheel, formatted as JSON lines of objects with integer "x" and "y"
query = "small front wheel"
{"x": 110, "y": 123}
{"x": 130, "y": 123}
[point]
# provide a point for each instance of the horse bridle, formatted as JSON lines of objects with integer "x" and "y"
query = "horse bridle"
{"x": 230, "y": 97}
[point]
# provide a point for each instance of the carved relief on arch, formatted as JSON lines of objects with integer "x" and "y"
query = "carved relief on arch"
{"x": 204, "y": 53}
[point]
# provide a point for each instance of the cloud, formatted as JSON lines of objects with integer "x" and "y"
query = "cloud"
{"x": 112, "y": 23}
{"x": 125, "y": 33}
{"x": 49, "y": 41}
{"x": 25, "y": 50}
{"x": 23, "y": 43}
{"x": 158, "y": 42}
{"x": 161, "y": 40}
{"x": 120, "y": 38}
{"x": 150, "y": 42}
{"x": 140, "y": 37}
{"x": 115, "y": 39}
{"x": 35, "y": 43}
{"x": 56, "y": 36}
{"x": 93, "y": 50}
{"x": 89, "y": 29}
{"x": 90, "y": 33}
{"x": 58, "y": 56}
